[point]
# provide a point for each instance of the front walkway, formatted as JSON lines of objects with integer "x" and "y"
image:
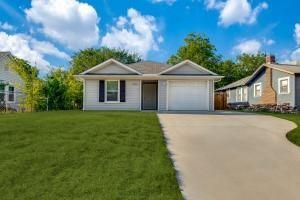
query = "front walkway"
{"x": 232, "y": 156}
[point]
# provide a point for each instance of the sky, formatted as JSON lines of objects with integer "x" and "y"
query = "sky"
{"x": 47, "y": 33}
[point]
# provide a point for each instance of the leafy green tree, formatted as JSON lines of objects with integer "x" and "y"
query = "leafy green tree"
{"x": 32, "y": 87}
{"x": 198, "y": 49}
{"x": 91, "y": 57}
{"x": 229, "y": 70}
{"x": 248, "y": 63}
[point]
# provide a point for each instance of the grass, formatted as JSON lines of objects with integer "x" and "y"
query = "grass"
{"x": 294, "y": 135}
{"x": 84, "y": 155}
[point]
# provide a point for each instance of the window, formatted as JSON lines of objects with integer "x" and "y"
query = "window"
{"x": 257, "y": 90}
{"x": 11, "y": 93}
{"x": 284, "y": 85}
{"x": 2, "y": 93}
{"x": 228, "y": 94}
{"x": 245, "y": 94}
{"x": 112, "y": 91}
{"x": 239, "y": 94}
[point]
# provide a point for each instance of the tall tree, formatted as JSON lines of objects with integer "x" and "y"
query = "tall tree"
{"x": 88, "y": 58}
{"x": 198, "y": 49}
{"x": 32, "y": 87}
{"x": 248, "y": 63}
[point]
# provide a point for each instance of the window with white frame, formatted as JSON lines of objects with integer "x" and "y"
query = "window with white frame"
{"x": 284, "y": 85}
{"x": 112, "y": 91}
{"x": 11, "y": 93}
{"x": 228, "y": 94}
{"x": 257, "y": 90}
{"x": 2, "y": 93}
{"x": 239, "y": 94}
{"x": 245, "y": 94}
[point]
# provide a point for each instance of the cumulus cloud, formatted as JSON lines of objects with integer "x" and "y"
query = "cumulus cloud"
{"x": 68, "y": 22}
{"x": 297, "y": 33}
{"x": 135, "y": 32}
{"x": 236, "y": 11}
{"x": 30, "y": 49}
{"x": 296, "y": 55}
{"x": 169, "y": 2}
{"x": 6, "y": 26}
{"x": 251, "y": 46}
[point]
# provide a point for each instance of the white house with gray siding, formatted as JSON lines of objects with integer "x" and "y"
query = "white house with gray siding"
{"x": 271, "y": 83}
{"x": 10, "y": 82}
{"x": 145, "y": 85}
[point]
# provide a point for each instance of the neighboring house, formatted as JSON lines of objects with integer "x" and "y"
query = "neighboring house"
{"x": 10, "y": 81}
{"x": 271, "y": 83}
{"x": 112, "y": 85}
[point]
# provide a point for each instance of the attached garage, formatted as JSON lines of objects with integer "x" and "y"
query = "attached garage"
{"x": 188, "y": 95}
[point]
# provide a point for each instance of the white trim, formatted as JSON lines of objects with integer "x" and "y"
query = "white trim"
{"x": 8, "y": 93}
{"x": 141, "y": 94}
{"x": 279, "y": 88}
{"x": 236, "y": 94}
{"x": 145, "y": 77}
{"x": 158, "y": 95}
{"x": 105, "y": 94}
{"x": 260, "y": 93}
{"x": 196, "y": 66}
{"x": 167, "y": 95}
{"x": 84, "y": 96}
{"x": 102, "y": 65}
{"x": 213, "y": 91}
{"x": 208, "y": 97}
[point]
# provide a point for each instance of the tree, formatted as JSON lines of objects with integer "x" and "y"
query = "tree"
{"x": 248, "y": 63}
{"x": 32, "y": 86}
{"x": 198, "y": 49}
{"x": 91, "y": 57}
{"x": 229, "y": 70}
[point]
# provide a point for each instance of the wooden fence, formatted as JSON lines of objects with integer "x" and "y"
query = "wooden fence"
{"x": 220, "y": 101}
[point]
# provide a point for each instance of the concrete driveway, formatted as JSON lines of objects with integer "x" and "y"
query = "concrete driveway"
{"x": 233, "y": 156}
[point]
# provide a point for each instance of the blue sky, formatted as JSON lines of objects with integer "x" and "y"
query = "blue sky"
{"x": 48, "y": 32}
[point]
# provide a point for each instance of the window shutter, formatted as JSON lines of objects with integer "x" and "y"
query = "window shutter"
{"x": 101, "y": 90}
{"x": 122, "y": 91}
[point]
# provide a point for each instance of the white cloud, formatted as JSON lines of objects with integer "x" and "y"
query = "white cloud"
{"x": 248, "y": 46}
{"x": 297, "y": 33}
{"x": 28, "y": 48}
{"x": 136, "y": 33}
{"x": 6, "y": 26}
{"x": 269, "y": 42}
{"x": 69, "y": 22}
{"x": 236, "y": 11}
{"x": 169, "y": 2}
{"x": 296, "y": 55}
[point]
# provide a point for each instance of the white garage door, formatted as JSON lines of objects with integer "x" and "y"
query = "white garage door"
{"x": 188, "y": 95}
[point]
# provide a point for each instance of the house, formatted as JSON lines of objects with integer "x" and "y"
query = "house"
{"x": 10, "y": 95}
{"x": 112, "y": 85}
{"x": 271, "y": 83}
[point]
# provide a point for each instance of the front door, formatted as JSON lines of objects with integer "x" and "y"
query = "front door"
{"x": 149, "y": 99}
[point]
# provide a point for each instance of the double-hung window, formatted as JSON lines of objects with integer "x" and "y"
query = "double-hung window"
{"x": 245, "y": 94}
{"x": 239, "y": 94}
{"x": 2, "y": 93}
{"x": 112, "y": 91}
{"x": 257, "y": 90}
{"x": 228, "y": 95}
{"x": 11, "y": 93}
{"x": 284, "y": 85}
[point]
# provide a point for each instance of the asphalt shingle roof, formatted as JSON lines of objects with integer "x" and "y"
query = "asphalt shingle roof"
{"x": 149, "y": 67}
{"x": 286, "y": 67}
{"x": 238, "y": 83}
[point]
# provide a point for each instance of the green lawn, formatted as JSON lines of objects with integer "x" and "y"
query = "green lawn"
{"x": 294, "y": 135}
{"x": 84, "y": 155}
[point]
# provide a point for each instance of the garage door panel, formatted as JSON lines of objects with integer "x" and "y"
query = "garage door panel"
{"x": 187, "y": 95}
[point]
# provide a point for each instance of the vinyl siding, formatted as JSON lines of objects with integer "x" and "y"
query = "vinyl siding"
{"x": 284, "y": 98}
{"x": 187, "y": 69}
{"x": 211, "y": 95}
{"x": 132, "y": 97}
{"x": 112, "y": 69}
{"x": 297, "y": 90}
{"x": 162, "y": 95}
{"x": 259, "y": 79}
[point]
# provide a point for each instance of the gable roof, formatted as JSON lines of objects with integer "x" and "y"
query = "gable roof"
{"x": 196, "y": 66}
{"x": 241, "y": 82}
{"x": 109, "y": 61}
{"x": 4, "y": 54}
{"x": 287, "y": 68}
{"x": 149, "y": 67}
